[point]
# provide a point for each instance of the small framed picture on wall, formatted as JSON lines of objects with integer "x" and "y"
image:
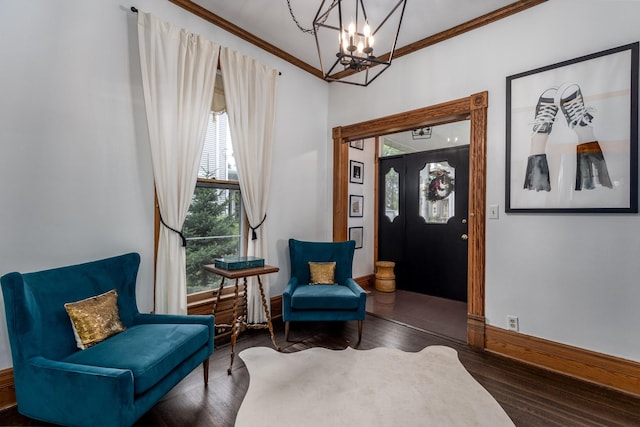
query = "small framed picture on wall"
{"x": 356, "y": 172}
{"x": 358, "y": 144}
{"x": 356, "y": 206}
{"x": 355, "y": 234}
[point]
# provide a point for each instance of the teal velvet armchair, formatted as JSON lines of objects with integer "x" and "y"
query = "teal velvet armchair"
{"x": 302, "y": 301}
{"x": 114, "y": 382}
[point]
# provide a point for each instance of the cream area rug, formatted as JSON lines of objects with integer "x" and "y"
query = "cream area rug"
{"x": 378, "y": 387}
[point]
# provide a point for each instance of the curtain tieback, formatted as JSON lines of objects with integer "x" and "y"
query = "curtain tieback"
{"x": 254, "y": 236}
{"x": 184, "y": 240}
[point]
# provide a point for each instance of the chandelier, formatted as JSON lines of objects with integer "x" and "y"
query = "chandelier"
{"x": 356, "y": 45}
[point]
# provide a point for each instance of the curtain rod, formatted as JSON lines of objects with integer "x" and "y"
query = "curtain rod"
{"x": 135, "y": 10}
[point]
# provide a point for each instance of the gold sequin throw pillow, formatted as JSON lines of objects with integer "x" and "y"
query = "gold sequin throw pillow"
{"x": 95, "y": 319}
{"x": 322, "y": 273}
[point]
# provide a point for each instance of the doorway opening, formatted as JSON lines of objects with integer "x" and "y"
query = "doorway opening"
{"x": 423, "y": 194}
{"x": 473, "y": 109}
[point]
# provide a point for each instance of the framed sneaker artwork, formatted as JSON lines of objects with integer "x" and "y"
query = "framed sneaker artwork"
{"x": 572, "y": 135}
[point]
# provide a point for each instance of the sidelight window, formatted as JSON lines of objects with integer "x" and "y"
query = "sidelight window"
{"x": 392, "y": 194}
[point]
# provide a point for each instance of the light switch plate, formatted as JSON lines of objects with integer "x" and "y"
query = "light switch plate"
{"x": 494, "y": 211}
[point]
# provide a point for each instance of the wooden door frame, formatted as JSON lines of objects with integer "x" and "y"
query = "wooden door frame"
{"x": 473, "y": 108}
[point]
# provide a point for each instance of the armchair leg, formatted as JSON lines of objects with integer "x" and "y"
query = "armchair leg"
{"x": 205, "y": 368}
{"x": 360, "y": 324}
{"x": 286, "y": 331}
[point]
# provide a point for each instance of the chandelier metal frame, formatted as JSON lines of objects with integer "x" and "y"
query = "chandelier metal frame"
{"x": 354, "y": 60}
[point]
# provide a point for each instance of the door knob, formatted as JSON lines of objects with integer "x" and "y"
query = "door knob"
{"x": 464, "y": 237}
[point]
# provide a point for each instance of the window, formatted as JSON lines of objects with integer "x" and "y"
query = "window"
{"x": 437, "y": 192}
{"x": 213, "y": 226}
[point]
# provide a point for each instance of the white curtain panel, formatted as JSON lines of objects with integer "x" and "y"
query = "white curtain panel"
{"x": 250, "y": 92}
{"x": 178, "y": 75}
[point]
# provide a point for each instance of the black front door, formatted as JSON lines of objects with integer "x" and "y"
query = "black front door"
{"x": 422, "y": 220}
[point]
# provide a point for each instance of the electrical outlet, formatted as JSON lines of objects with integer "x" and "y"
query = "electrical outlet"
{"x": 512, "y": 323}
{"x": 494, "y": 211}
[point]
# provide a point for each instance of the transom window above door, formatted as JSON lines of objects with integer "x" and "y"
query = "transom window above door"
{"x": 425, "y": 139}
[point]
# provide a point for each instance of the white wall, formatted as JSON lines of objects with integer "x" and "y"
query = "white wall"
{"x": 572, "y": 279}
{"x": 75, "y": 170}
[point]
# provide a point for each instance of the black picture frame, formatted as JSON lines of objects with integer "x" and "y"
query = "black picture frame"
{"x": 356, "y": 206}
{"x": 356, "y": 234}
{"x": 358, "y": 144}
{"x": 356, "y": 172}
{"x": 572, "y": 135}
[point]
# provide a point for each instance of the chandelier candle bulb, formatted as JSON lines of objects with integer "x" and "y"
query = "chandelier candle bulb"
{"x": 368, "y": 39}
{"x": 352, "y": 33}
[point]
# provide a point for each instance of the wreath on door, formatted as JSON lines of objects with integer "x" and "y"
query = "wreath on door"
{"x": 440, "y": 185}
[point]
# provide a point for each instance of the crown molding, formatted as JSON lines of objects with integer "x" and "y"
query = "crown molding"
{"x": 218, "y": 21}
{"x": 473, "y": 24}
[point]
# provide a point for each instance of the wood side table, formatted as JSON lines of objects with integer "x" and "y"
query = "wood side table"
{"x": 238, "y": 321}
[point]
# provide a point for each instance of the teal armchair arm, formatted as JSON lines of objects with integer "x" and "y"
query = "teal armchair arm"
{"x": 355, "y": 288}
{"x": 362, "y": 296}
{"x": 286, "y": 297}
{"x": 110, "y": 401}
{"x": 291, "y": 286}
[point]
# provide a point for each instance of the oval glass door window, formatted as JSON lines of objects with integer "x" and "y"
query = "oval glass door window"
{"x": 437, "y": 192}
{"x": 391, "y": 194}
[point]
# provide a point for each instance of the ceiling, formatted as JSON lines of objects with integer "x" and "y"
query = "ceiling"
{"x": 269, "y": 24}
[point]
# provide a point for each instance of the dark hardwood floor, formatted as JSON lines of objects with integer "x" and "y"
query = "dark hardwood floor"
{"x": 530, "y": 396}
{"x": 428, "y": 313}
